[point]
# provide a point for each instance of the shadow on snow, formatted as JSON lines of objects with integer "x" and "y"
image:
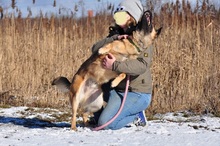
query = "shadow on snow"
{"x": 32, "y": 122}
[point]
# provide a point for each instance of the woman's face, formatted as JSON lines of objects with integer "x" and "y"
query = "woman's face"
{"x": 121, "y": 19}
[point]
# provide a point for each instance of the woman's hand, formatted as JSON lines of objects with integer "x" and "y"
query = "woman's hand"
{"x": 125, "y": 36}
{"x": 108, "y": 61}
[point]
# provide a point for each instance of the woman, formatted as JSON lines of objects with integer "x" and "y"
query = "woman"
{"x": 126, "y": 16}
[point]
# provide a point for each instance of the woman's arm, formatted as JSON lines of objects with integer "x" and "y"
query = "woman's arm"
{"x": 135, "y": 66}
{"x": 132, "y": 67}
{"x": 115, "y": 33}
{"x": 103, "y": 42}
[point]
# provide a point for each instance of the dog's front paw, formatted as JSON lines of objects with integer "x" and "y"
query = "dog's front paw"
{"x": 118, "y": 79}
{"x": 114, "y": 83}
{"x": 105, "y": 50}
{"x": 102, "y": 51}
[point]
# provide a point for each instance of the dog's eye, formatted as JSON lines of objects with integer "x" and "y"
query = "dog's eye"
{"x": 147, "y": 14}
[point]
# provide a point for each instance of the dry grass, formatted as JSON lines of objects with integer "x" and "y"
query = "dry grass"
{"x": 186, "y": 71}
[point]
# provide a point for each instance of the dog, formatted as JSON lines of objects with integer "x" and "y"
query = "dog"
{"x": 85, "y": 89}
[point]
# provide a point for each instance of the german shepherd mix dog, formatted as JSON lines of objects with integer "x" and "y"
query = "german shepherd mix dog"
{"x": 85, "y": 89}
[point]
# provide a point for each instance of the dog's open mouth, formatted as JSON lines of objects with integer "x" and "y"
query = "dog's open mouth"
{"x": 148, "y": 17}
{"x": 146, "y": 22}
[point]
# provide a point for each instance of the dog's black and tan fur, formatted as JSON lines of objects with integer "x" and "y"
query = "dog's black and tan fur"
{"x": 85, "y": 88}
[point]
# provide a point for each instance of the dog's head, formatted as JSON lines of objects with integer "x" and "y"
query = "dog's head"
{"x": 145, "y": 32}
{"x": 145, "y": 24}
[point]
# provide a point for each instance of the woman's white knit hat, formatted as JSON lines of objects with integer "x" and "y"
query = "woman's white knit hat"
{"x": 133, "y": 7}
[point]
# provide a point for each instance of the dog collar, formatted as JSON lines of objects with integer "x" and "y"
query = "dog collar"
{"x": 132, "y": 42}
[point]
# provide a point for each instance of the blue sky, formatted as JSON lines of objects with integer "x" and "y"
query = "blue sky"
{"x": 66, "y": 6}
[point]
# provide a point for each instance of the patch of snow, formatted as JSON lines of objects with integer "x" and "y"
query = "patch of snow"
{"x": 171, "y": 129}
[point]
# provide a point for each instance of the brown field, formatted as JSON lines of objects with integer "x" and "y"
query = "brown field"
{"x": 186, "y": 70}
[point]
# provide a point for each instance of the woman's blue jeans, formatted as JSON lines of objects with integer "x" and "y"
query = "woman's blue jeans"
{"x": 135, "y": 103}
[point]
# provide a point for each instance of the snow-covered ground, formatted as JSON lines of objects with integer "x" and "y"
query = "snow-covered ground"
{"x": 23, "y": 126}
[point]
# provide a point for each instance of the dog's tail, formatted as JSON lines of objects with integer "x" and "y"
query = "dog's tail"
{"x": 62, "y": 83}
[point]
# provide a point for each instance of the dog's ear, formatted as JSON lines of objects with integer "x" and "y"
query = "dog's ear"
{"x": 159, "y": 31}
{"x": 146, "y": 22}
{"x": 156, "y": 33}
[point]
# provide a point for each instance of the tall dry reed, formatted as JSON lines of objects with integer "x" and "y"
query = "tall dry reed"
{"x": 186, "y": 72}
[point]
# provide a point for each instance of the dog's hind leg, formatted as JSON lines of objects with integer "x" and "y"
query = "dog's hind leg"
{"x": 118, "y": 79}
{"x": 75, "y": 98}
{"x": 75, "y": 104}
{"x": 85, "y": 119}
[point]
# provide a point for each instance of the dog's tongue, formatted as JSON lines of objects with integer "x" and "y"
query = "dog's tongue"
{"x": 148, "y": 20}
